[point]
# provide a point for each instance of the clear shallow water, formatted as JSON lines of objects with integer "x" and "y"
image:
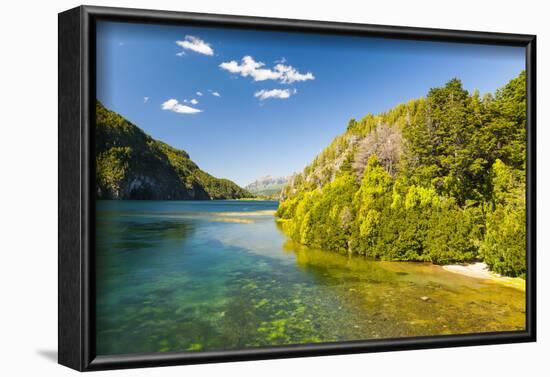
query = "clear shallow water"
{"x": 212, "y": 275}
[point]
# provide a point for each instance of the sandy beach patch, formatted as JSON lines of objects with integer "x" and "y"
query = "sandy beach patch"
{"x": 475, "y": 270}
{"x": 233, "y": 220}
{"x": 245, "y": 214}
{"x": 480, "y": 270}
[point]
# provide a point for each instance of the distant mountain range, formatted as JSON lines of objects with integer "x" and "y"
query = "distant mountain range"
{"x": 267, "y": 186}
{"x": 132, "y": 165}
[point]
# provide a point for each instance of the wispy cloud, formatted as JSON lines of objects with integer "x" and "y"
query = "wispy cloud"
{"x": 274, "y": 93}
{"x": 214, "y": 93}
{"x": 194, "y": 44}
{"x": 173, "y": 105}
{"x": 248, "y": 67}
{"x": 290, "y": 74}
{"x": 145, "y": 99}
{"x": 192, "y": 101}
{"x": 199, "y": 94}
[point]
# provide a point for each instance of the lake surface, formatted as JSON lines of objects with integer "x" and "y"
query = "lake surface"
{"x": 213, "y": 275}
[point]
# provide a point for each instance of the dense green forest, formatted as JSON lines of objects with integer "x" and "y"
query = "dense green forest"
{"x": 438, "y": 179}
{"x": 132, "y": 165}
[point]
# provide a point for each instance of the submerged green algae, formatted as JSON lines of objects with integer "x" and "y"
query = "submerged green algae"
{"x": 192, "y": 283}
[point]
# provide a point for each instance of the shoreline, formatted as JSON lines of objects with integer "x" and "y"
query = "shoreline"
{"x": 480, "y": 270}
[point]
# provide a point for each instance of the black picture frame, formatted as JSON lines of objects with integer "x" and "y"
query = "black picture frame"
{"x": 77, "y": 172}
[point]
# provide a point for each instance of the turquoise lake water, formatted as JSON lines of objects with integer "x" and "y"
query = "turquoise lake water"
{"x": 213, "y": 275}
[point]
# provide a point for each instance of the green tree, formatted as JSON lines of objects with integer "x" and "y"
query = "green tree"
{"x": 503, "y": 248}
{"x": 438, "y": 179}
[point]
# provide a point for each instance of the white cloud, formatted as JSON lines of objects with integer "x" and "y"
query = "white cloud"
{"x": 199, "y": 94}
{"x": 173, "y": 105}
{"x": 249, "y": 67}
{"x": 192, "y": 101}
{"x": 195, "y": 44}
{"x": 216, "y": 94}
{"x": 274, "y": 93}
{"x": 289, "y": 74}
{"x": 145, "y": 99}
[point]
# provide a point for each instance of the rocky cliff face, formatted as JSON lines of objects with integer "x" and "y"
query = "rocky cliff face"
{"x": 132, "y": 165}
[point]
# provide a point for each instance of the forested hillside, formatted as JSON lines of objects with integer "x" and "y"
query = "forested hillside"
{"x": 439, "y": 179}
{"x": 132, "y": 165}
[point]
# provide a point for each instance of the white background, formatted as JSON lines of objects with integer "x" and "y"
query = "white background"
{"x": 28, "y": 186}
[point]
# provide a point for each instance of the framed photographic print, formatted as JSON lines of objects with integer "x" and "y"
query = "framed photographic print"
{"x": 238, "y": 188}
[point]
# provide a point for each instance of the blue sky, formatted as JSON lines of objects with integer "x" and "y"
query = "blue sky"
{"x": 271, "y": 101}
